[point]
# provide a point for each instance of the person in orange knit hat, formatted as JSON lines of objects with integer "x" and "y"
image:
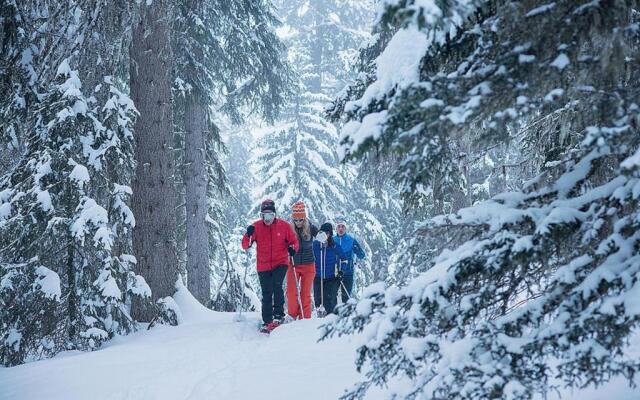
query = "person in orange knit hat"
{"x": 301, "y": 273}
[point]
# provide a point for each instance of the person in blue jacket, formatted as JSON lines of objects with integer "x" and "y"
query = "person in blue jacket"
{"x": 327, "y": 256}
{"x": 350, "y": 247}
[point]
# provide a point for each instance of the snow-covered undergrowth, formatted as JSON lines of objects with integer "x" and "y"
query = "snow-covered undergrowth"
{"x": 211, "y": 356}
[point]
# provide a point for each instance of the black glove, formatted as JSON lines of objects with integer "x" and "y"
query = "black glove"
{"x": 291, "y": 251}
{"x": 340, "y": 274}
{"x": 250, "y": 230}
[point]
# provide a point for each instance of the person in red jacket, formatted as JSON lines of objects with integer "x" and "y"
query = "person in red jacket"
{"x": 276, "y": 242}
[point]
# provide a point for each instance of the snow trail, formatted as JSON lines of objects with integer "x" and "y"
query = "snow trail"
{"x": 211, "y": 356}
{"x": 208, "y": 356}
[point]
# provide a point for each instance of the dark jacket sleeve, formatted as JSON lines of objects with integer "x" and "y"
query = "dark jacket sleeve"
{"x": 358, "y": 249}
{"x": 316, "y": 251}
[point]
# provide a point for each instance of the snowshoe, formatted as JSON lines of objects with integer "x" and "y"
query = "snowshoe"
{"x": 264, "y": 328}
{"x": 267, "y": 328}
{"x": 274, "y": 324}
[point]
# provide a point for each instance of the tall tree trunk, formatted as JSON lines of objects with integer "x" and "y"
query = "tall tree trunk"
{"x": 195, "y": 181}
{"x": 154, "y": 193}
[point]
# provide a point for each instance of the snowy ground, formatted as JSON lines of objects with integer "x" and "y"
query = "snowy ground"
{"x": 210, "y": 356}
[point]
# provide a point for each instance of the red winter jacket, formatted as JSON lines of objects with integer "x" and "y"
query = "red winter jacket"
{"x": 273, "y": 241}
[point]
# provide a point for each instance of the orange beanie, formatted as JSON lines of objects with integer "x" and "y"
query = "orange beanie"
{"x": 298, "y": 210}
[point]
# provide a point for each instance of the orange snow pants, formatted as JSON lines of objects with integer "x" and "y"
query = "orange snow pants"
{"x": 304, "y": 274}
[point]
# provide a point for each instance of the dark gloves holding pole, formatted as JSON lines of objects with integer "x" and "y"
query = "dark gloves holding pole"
{"x": 250, "y": 230}
{"x": 291, "y": 251}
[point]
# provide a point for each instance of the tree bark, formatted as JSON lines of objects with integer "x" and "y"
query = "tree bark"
{"x": 195, "y": 181}
{"x": 154, "y": 192}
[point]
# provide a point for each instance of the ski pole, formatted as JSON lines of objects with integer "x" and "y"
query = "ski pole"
{"x": 297, "y": 286}
{"x": 244, "y": 284}
{"x": 345, "y": 289}
{"x": 324, "y": 260}
{"x": 323, "y": 253}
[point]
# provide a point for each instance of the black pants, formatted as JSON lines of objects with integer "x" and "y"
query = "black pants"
{"x": 272, "y": 293}
{"x": 330, "y": 291}
{"x": 347, "y": 281}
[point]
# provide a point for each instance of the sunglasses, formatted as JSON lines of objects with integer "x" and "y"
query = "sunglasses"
{"x": 298, "y": 220}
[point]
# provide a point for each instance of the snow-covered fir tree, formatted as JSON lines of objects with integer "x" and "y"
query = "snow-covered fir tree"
{"x": 13, "y": 80}
{"x": 378, "y": 217}
{"x": 235, "y": 282}
{"x": 230, "y": 62}
{"x": 65, "y": 268}
{"x": 296, "y": 159}
{"x": 541, "y": 282}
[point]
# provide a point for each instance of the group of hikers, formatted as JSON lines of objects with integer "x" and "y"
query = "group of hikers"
{"x": 309, "y": 258}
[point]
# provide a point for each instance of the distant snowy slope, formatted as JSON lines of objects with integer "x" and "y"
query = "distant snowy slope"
{"x": 209, "y": 356}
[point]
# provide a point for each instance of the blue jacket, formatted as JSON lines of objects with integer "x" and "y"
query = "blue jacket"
{"x": 330, "y": 255}
{"x": 349, "y": 246}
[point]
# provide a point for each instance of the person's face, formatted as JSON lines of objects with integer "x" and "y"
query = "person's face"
{"x": 342, "y": 229}
{"x": 299, "y": 222}
{"x": 268, "y": 217}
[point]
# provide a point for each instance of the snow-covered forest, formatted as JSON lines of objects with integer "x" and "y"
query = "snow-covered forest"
{"x": 483, "y": 157}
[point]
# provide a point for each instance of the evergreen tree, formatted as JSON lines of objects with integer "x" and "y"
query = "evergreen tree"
{"x": 14, "y": 80}
{"x": 229, "y": 60}
{"x": 537, "y": 283}
{"x": 65, "y": 275}
{"x": 231, "y": 289}
{"x": 378, "y": 219}
{"x": 297, "y": 159}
